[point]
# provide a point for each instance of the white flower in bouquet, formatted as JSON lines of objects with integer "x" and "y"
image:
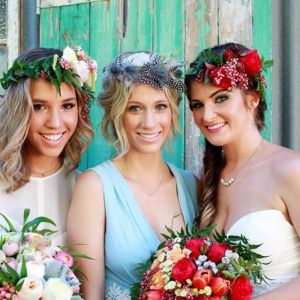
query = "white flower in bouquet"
{"x": 35, "y": 269}
{"x": 10, "y": 248}
{"x": 32, "y": 289}
{"x": 56, "y": 289}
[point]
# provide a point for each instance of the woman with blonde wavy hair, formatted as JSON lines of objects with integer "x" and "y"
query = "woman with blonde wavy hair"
{"x": 125, "y": 203}
{"x": 44, "y": 130}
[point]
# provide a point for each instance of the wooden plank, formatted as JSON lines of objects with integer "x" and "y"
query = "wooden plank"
{"x": 13, "y": 30}
{"x": 52, "y": 3}
{"x": 49, "y": 29}
{"x": 201, "y": 31}
{"x": 139, "y": 29}
{"x": 104, "y": 46}
{"x": 168, "y": 39}
{"x": 262, "y": 40}
{"x": 235, "y": 21}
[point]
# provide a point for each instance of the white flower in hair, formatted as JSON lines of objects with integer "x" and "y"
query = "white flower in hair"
{"x": 138, "y": 59}
{"x": 82, "y": 69}
{"x": 70, "y": 56}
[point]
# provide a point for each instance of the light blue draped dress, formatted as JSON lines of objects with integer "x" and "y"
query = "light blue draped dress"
{"x": 129, "y": 237}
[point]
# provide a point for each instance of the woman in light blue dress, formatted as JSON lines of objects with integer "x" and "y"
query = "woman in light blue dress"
{"x": 121, "y": 207}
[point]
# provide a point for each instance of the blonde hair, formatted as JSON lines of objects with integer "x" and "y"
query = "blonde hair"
{"x": 114, "y": 100}
{"x": 16, "y": 111}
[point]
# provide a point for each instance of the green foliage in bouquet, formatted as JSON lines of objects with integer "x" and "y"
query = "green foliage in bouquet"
{"x": 199, "y": 263}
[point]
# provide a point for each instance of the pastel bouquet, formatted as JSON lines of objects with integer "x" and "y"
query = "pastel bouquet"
{"x": 190, "y": 265}
{"x": 31, "y": 268}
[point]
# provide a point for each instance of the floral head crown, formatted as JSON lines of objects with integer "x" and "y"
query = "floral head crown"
{"x": 233, "y": 67}
{"x": 74, "y": 68}
{"x": 148, "y": 68}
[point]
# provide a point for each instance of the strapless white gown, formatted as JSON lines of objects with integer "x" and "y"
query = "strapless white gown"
{"x": 279, "y": 241}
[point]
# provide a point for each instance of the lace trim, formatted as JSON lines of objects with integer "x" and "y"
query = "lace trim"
{"x": 116, "y": 292}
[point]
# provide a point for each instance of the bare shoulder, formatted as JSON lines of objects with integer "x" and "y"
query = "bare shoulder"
{"x": 285, "y": 162}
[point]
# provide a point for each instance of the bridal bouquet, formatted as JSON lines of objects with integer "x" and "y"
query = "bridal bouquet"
{"x": 31, "y": 268}
{"x": 189, "y": 265}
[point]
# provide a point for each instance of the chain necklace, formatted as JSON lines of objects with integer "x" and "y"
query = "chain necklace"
{"x": 35, "y": 173}
{"x": 227, "y": 183}
{"x": 151, "y": 193}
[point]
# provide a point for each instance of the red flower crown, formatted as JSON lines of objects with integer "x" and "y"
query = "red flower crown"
{"x": 232, "y": 68}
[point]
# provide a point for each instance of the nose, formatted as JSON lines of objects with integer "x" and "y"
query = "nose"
{"x": 149, "y": 119}
{"x": 208, "y": 113}
{"x": 54, "y": 119}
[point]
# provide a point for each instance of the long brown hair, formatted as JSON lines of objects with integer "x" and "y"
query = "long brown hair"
{"x": 213, "y": 160}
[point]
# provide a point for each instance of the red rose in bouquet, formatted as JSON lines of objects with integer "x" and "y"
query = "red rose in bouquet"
{"x": 202, "y": 278}
{"x": 219, "y": 286}
{"x": 251, "y": 62}
{"x": 241, "y": 289}
{"x": 216, "y": 252}
{"x": 154, "y": 295}
{"x": 218, "y": 272}
{"x": 197, "y": 246}
{"x": 184, "y": 269}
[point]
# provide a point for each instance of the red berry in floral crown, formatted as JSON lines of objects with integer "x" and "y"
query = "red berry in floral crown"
{"x": 230, "y": 66}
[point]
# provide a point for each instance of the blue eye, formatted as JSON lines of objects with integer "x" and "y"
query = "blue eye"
{"x": 160, "y": 107}
{"x": 195, "y": 105}
{"x": 134, "y": 108}
{"x": 221, "y": 98}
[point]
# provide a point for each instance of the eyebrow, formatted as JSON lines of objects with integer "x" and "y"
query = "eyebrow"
{"x": 45, "y": 101}
{"x": 220, "y": 91}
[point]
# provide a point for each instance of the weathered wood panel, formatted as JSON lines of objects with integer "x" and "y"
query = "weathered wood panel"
{"x": 262, "y": 33}
{"x": 179, "y": 28}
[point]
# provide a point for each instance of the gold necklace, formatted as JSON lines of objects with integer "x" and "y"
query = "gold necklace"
{"x": 35, "y": 173}
{"x": 227, "y": 183}
{"x": 150, "y": 194}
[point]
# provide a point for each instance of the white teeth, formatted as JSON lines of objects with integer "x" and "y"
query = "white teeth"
{"x": 52, "y": 137}
{"x": 149, "y": 137}
{"x": 216, "y": 126}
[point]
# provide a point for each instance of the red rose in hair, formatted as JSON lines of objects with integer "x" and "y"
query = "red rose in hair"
{"x": 219, "y": 78}
{"x": 228, "y": 54}
{"x": 251, "y": 62}
{"x": 184, "y": 269}
{"x": 241, "y": 289}
{"x": 216, "y": 252}
{"x": 196, "y": 245}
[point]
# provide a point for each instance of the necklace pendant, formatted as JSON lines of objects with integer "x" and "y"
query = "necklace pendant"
{"x": 228, "y": 182}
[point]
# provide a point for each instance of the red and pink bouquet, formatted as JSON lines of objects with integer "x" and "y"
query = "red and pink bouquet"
{"x": 190, "y": 265}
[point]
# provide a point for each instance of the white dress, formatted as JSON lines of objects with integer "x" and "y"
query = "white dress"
{"x": 47, "y": 196}
{"x": 279, "y": 241}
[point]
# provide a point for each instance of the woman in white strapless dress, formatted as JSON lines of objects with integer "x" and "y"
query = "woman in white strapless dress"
{"x": 44, "y": 130}
{"x": 250, "y": 186}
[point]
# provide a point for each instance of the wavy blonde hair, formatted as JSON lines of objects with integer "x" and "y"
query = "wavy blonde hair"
{"x": 16, "y": 111}
{"x": 114, "y": 99}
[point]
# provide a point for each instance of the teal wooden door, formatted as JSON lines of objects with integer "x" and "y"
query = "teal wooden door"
{"x": 172, "y": 27}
